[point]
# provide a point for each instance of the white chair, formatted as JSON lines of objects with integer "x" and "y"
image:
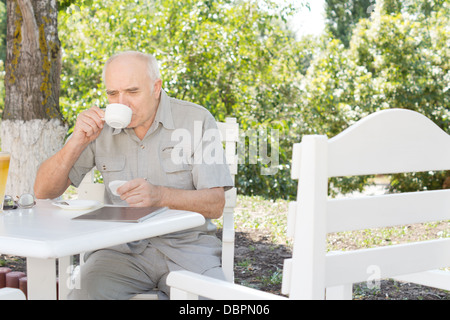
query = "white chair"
{"x": 11, "y": 294}
{"x": 229, "y": 131}
{"x": 389, "y": 141}
{"x": 90, "y": 190}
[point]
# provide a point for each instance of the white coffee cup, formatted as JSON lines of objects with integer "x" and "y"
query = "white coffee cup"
{"x": 114, "y": 185}
{"x": 118, "y": 115}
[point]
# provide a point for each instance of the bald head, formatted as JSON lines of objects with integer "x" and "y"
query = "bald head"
{"x": 150, "y": 62}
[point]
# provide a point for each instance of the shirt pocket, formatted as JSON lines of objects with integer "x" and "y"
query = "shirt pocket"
{"x": 111, "y": 168}
{"x": 178, "y": 175}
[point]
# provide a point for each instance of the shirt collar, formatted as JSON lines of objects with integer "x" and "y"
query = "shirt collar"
{"x": 163, "y": 114}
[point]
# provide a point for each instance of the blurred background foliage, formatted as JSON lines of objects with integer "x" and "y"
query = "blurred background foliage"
{"x": 239, "y": 58}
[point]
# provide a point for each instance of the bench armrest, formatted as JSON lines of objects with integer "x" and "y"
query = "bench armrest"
{"x": 188, "y": 285}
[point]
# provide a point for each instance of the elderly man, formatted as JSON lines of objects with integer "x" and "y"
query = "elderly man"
{"x": 143, "y": 155}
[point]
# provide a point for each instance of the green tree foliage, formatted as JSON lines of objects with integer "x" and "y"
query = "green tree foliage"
{"x": 238, "y": 59}
{"x": 397, "y": 59}
{"x": 3, "y": 30}
{"x": 235, "y": 58}
{"x": 2, "y": 53}
{"x": 343, "y": 15}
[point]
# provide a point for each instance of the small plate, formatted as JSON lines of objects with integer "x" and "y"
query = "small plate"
{"x": 77, "y": 204}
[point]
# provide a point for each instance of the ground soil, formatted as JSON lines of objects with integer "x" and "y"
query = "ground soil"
{"x": 259, "y": 264}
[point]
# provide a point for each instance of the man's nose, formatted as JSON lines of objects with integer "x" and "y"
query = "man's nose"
{"x": 123, "y": 99}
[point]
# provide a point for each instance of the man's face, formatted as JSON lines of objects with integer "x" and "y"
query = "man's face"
{"x": 127, "y": 82}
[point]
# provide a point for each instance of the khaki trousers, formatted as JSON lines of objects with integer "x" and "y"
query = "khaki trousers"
{"x": 116, "y": 274}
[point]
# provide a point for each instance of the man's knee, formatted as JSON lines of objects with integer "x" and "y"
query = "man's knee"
{"x": 100, "y": 278}
{"x": 109, "y": 274}
{"x": 216, "y": 273}
{"x": 92, "y": 283}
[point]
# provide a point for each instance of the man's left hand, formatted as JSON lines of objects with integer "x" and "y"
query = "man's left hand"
{"x": 140, "y": 193}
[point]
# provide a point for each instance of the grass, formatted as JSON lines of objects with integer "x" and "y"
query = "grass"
{"x": 258, "y": 213}
{"x": 254, "y": 212}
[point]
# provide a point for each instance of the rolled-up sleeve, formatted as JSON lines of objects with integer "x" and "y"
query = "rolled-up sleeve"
{"x": 210, "y": 169}
{"x": 82, "y": 166}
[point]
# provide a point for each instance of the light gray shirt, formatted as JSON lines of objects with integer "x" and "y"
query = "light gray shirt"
{"x": 182, "y": 149}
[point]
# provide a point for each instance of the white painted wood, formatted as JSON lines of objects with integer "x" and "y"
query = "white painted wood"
{"x": 389, "y": 141}
{"x": 65, "y": 266}
{"x": 178, "y": 294}
{"x": 353, "y": 266}
{"x": 308, "y": 262}
{"x": 228, "y": 236}
{"x": 89, "y": 190}
{"x": 151, "y": 295}
{"x": 46, "y": 231}
{"x": 11, "y": 294}
{"x": 286, "y": 276}
{"x": 41, "y": 279}
{"x": 74, "y": 281}
{"x": 342, "y": 292}
{"x": 199, "y": 285}
{"x": 296, "y": 161}
{"x": 433, "y": 278}
{"x": 292, "y": 213}
{"x": 387, "y": 210}
{"x": 231, "y": 198}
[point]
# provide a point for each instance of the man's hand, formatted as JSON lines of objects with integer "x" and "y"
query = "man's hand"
{"x": 140, "y": 193}
{"x": 52, "y": 178}
{"x": 89, "y": 125}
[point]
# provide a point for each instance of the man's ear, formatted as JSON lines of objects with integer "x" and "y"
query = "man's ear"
{"x": 157, "y": 88}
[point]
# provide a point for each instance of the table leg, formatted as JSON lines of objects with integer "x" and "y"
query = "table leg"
{"x": 41, "y": 275}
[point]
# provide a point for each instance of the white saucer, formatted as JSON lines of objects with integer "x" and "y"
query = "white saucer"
{"x": 77, "y": 204}
{"x": 114, "y": 185}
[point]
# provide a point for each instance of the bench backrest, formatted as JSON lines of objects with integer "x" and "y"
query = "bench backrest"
{"x": 388, "y": 141}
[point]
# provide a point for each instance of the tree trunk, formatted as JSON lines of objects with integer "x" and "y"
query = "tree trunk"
{"x": 32, "y": 128}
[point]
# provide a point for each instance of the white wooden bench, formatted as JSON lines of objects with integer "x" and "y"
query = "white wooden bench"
{"x": 388, "y": 141}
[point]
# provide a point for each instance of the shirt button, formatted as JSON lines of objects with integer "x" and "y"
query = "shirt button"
{"x": 142, "y": 147}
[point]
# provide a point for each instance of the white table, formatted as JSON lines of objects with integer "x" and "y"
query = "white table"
{"x": 46, "y": 233}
